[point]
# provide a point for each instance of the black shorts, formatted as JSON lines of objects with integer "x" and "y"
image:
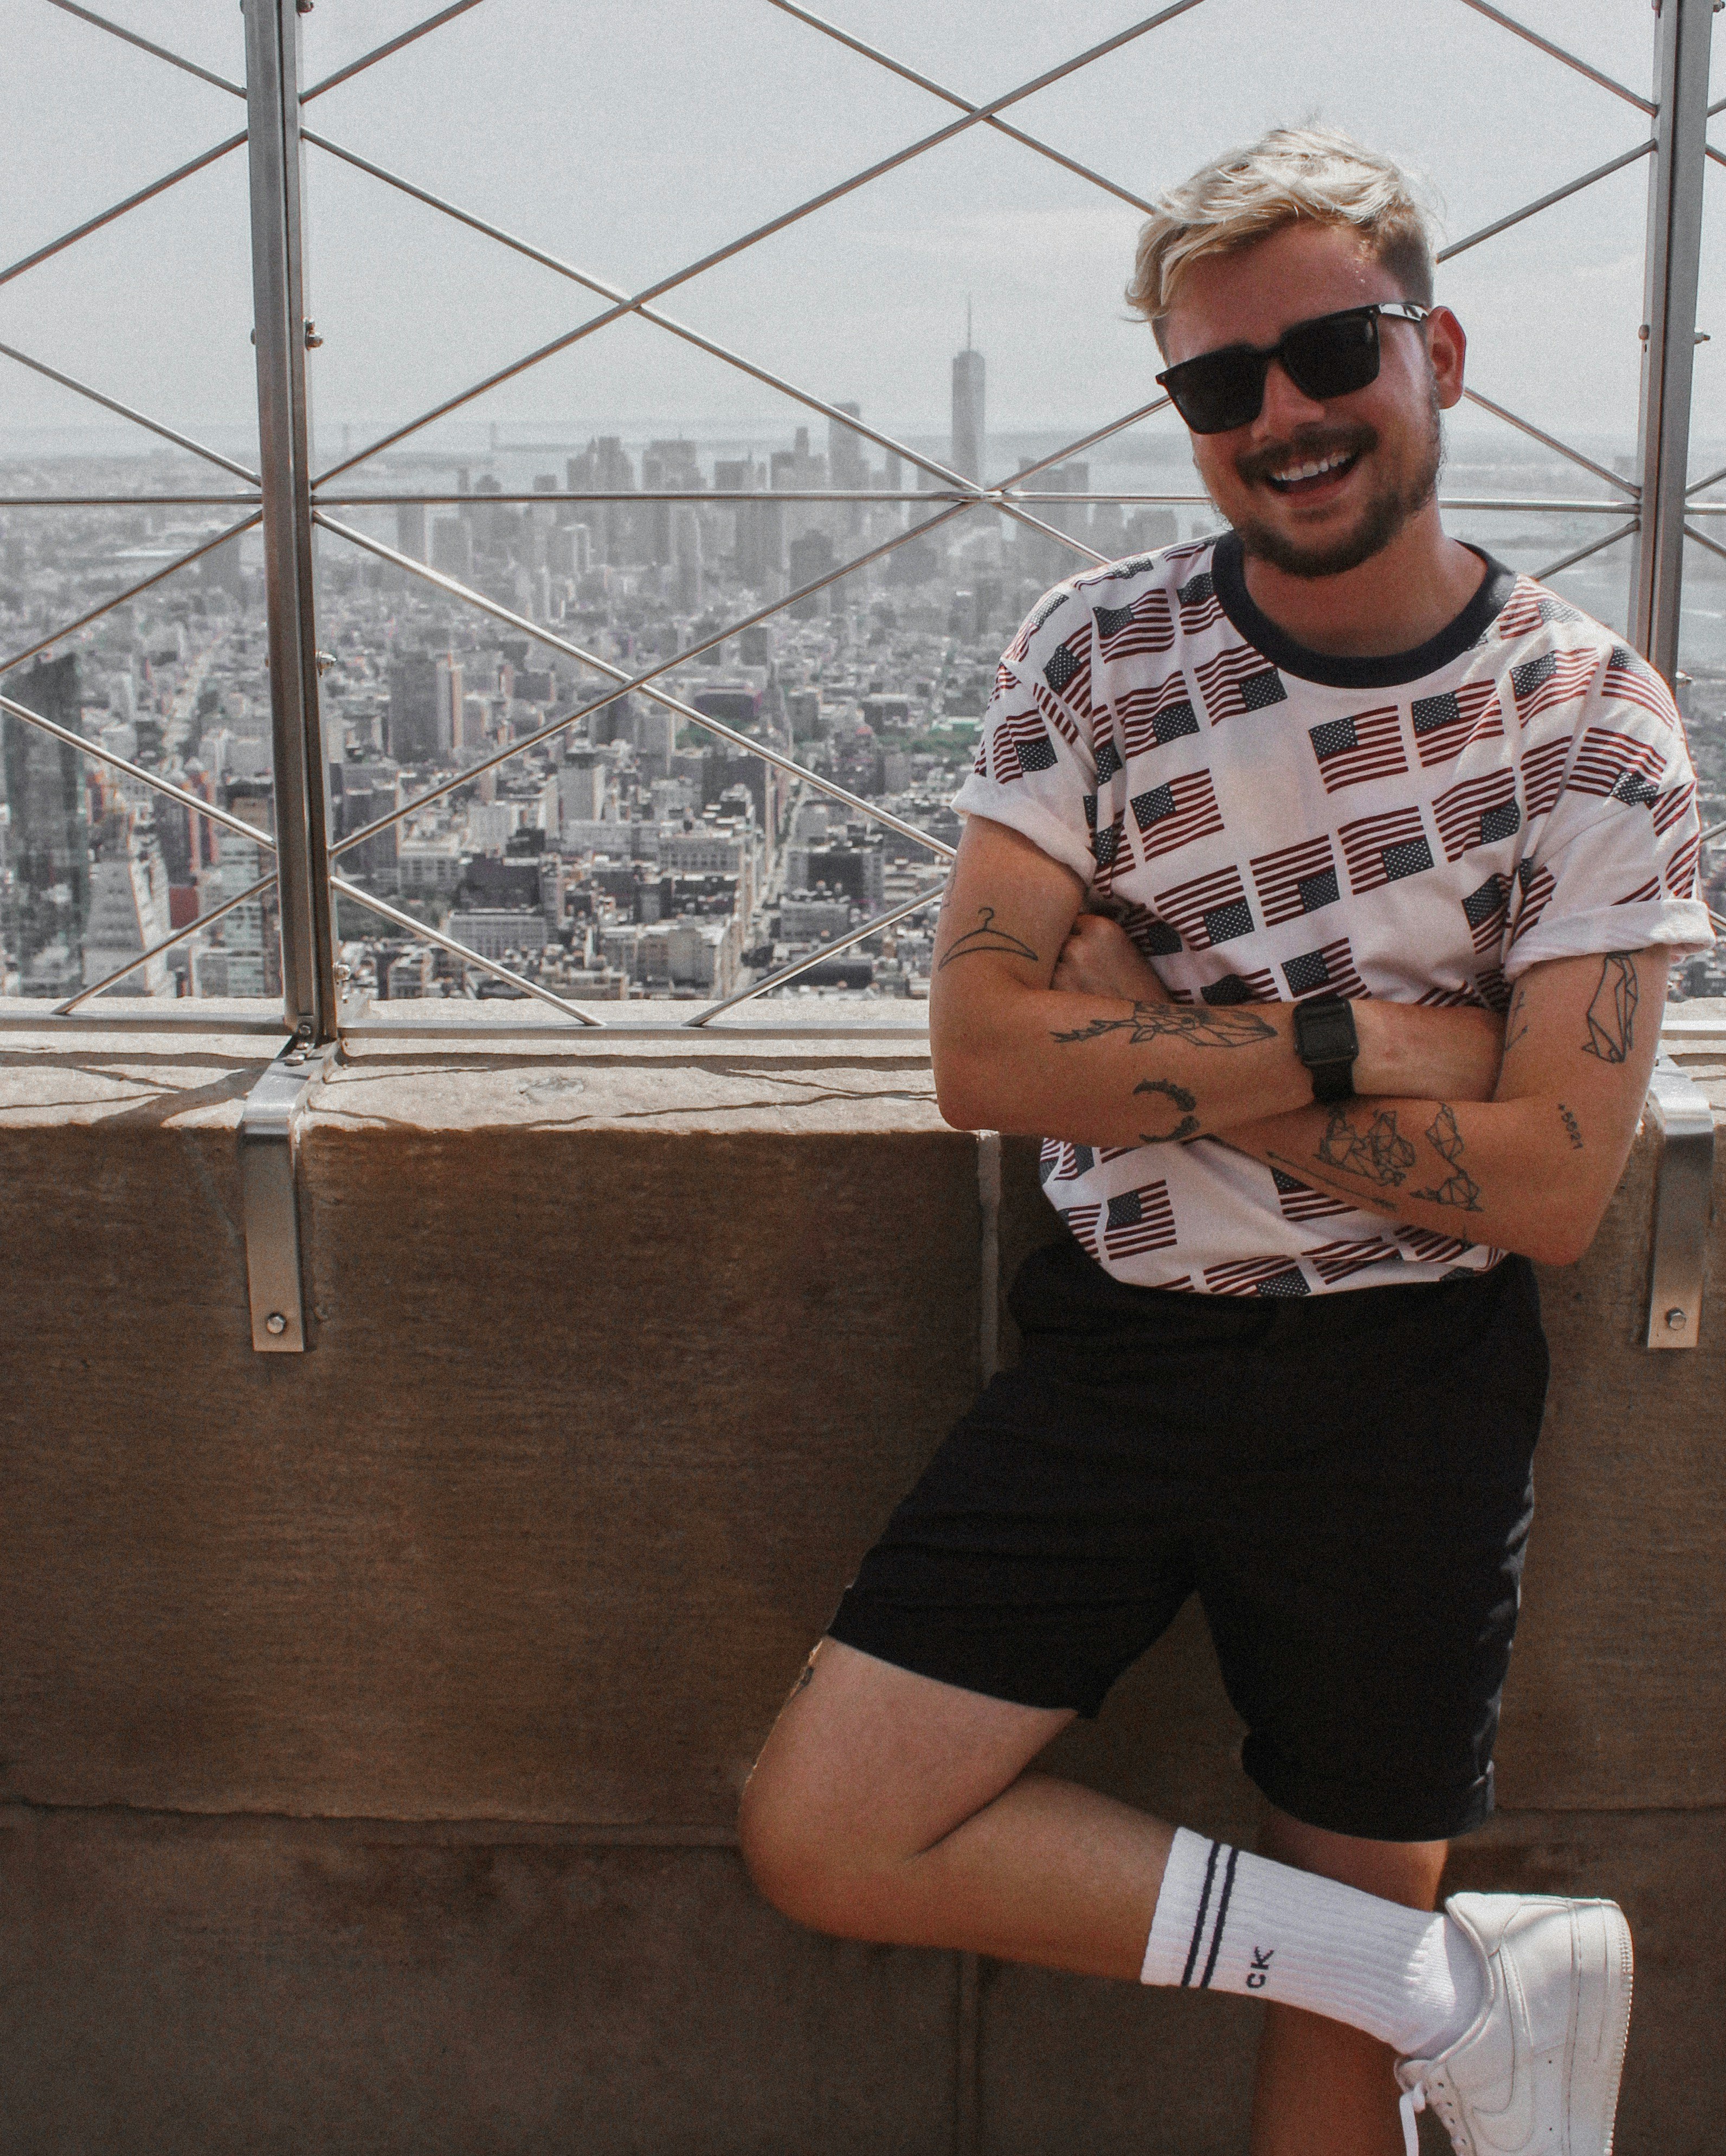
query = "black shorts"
{"x": 1345, "y": 1483}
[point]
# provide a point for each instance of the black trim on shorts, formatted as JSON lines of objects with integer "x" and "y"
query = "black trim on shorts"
{"x": 1345, "y": 1482}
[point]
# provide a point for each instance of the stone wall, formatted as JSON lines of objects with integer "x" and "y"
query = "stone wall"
{"x": 372, "y": 1721}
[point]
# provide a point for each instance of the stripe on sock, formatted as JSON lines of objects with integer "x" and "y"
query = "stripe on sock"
{"x": 1222, "y": 1918}
{"x": 1198, "y": 1926}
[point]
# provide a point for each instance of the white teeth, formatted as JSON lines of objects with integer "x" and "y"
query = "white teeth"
{"x": 1311, "y": 471}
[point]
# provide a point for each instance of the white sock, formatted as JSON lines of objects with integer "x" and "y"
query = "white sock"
{"x": 1228, "y": 1921}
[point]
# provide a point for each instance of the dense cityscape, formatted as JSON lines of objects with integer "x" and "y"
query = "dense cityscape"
{"x": 631, "y": 854}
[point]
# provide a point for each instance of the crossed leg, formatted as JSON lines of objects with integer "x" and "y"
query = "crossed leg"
{"x": 890, "y": 1807}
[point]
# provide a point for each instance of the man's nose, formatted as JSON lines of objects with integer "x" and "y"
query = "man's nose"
{"x": 1286, "y": 407}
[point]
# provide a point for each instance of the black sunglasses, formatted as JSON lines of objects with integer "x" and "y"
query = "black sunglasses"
{"x": 1328, "y": 357}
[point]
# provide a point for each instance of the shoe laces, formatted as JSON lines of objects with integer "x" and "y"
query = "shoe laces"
{"x": 1413, "y": 2100}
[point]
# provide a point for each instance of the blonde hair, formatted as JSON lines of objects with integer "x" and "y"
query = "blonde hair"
{"x": 1290, "y": 176}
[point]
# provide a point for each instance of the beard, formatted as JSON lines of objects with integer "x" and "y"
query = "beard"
{"x": 1382, "y": 518}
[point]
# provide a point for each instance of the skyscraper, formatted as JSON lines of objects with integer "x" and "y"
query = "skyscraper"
{"x": 844, "y": 453}
{"x": 44, "y": 782}
{"x": 967, "y": 429}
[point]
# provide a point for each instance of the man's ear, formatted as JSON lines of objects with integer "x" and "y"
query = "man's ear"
{"x": 1447, "y": 342}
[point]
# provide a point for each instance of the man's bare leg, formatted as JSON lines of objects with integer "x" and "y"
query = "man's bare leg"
{"x": 1322, "y": 2085}
{"x": 888, "y": 1806}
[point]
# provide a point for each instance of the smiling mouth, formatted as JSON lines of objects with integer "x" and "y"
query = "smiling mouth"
{"x": 1309, "y": 474}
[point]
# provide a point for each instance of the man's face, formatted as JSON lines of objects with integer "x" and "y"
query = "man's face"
{"x": 1376, "y": 451}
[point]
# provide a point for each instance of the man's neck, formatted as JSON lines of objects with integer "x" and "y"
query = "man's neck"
{"x": 1400, "y": 599}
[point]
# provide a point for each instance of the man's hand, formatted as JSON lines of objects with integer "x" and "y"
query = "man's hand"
{"x": 1100, "y": 958}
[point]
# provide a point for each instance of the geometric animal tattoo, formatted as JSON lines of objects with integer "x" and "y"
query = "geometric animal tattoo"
{"x": 1611, "y": 1015}
{"x": 1206, "y": 1029}
{"x": 1378, "y": 1153}
{"x": 1459, "y": 1188}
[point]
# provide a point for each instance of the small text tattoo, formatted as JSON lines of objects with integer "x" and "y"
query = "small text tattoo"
{"x": 986, "y": 936}
{"x": 1378, "y": 1153}
{"x": 1459, "y": 1188}
{"x": 1306, "y": 1174}
{"x": 1260, "y": 1974}
{"x": 1203, "y": 1028}
{"x": 1183, "y": 1100}
{"x": 1611, "y": 1015}
{"x": 1572, "y": 1129}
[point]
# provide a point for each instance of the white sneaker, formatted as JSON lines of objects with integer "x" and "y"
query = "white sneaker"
{"x": 1536, "y": 2073}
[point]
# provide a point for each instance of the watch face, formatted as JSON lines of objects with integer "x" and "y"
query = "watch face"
{"x": 1328, "y": 1036}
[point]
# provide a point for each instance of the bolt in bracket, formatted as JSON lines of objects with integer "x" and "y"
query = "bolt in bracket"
{"x": 268, "y": 1143}
{"x": 1684, "y": 1204}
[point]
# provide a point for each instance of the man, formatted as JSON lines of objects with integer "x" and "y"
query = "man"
{"x": 1265, "y": 834}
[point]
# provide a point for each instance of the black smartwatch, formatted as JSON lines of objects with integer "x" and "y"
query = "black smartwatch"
{"x": 1326, "y": 1042}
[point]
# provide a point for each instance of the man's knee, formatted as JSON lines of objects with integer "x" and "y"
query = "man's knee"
{"x": 800, "y": 1863}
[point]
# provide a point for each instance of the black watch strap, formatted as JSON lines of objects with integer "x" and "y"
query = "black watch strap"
{"x": 1326, "y": 1042}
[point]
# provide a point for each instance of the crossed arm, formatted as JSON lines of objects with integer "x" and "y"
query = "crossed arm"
{"x": 1046, "y": 1020}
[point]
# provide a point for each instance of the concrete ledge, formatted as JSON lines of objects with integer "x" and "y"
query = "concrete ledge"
{"x": 372, "y": 1719}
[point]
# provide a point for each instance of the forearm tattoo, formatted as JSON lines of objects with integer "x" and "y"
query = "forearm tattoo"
{"x": 1611, "y": 1015}
{"x": 1379, "y": 1152}
{"x": 1459, "y": 1188}
{"x": 985, "y": 936}
{"x": 1184, "y": 1102}
{"x": 1202, "y": 1028}
{"x": 1573, "y": 1129}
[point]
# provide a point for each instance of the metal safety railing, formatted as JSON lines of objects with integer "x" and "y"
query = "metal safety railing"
{"x": 1657, "y": 509}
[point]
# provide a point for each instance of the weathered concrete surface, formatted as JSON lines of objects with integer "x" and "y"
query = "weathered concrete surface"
{"x": 618, "y": 1364}
{"x": 264, "y": 1987}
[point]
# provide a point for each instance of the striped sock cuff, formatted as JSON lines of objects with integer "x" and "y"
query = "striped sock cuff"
{"x": 1192, "y": 1910}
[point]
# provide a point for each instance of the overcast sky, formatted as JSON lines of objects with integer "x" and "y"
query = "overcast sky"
{"x": 632, "y": 139}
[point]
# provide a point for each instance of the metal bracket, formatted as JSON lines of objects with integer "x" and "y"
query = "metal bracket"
{"x": 269, "y": 1128}
{"x": 1684, "y": 1204}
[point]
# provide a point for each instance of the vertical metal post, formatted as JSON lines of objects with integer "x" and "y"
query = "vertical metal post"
{"x": 1674, "y": 261}
{"x": 285, "y": 430}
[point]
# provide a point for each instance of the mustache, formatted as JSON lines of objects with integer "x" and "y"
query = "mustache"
{"x": 1309, "y": 446}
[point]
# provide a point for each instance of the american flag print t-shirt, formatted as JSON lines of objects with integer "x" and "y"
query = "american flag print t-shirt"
{"x": 1270, "y": 823}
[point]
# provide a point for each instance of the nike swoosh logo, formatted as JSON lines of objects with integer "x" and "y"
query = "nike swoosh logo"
{"x": 1509, "y": 2132}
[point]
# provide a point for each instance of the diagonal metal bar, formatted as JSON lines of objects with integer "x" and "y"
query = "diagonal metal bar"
{"x": 1713, "y": 480}
{"x": 162, "y": 52}
{"x": 1702, "y": 539}
{"x": 1085, "y": 442}
{"x": 974, "y": 118}
{"x": 797, "y": 966}
{"x": 1009, "y": 507}
{"x": 71, "y": 628}
{"x": 382, "y": 52}
{"x": 132, "y": 202}
{"x": 1718, "y": 155}
{"x": 1582, "y": 553}
{"x": 422, "y": 934}
{"x": 1718, "y": 105}
{"x": 1552, "y": 442}
{"x": 471, "y": 772}
{"x": 1558, "y": 53}
{"x": 1558, "y": 195}
{"x": 168, "y": 942}
{"x": 872, "y": 811}
{"x": 722, "y": 352}
{"x": 113, "y": 404}
{"x": 952, "y": 97}
{"x": 688, "y": 336}
{"x": 152, "y": 780}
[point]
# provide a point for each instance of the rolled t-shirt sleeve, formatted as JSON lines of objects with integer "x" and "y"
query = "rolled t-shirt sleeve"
{"x": 1615, "y": 867}
{"x": 1035, "y": 770}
